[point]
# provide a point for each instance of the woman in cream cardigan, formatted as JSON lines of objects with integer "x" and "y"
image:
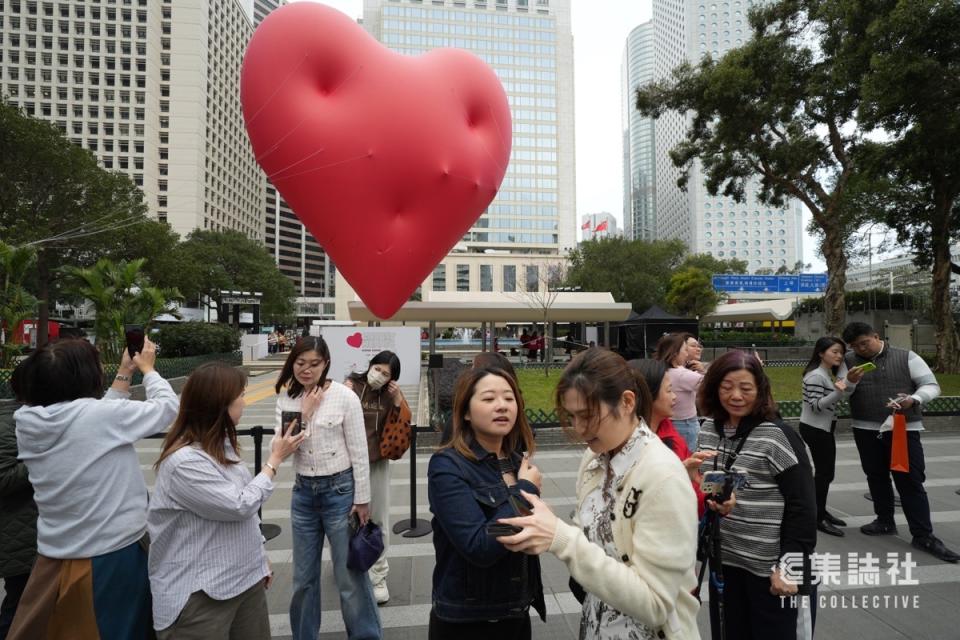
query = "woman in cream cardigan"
{"x": 633, "y": 546}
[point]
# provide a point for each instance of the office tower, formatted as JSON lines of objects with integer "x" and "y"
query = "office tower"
{"x": 598, "y": 225}
{"x": 529, "y": 45}
{"x": 766, "y": 237}
{"x": 639, "y": 170}
{"x": 297, "y": 254}
{"x": 151, "y": 88}
{"x": 262, "y": 8}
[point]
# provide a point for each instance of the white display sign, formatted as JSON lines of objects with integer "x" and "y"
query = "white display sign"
{"x": 352, "y": 347}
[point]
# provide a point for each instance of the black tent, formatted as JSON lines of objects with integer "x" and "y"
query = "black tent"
{"x": 637, "y": 336}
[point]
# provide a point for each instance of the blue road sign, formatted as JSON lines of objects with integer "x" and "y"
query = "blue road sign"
{"x": 803, "y": 283}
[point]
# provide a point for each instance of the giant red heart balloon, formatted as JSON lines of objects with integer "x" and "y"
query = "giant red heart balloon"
{"x": 387, "y": 159}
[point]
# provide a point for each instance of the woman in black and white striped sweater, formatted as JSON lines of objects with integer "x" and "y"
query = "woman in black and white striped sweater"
{"x": 823, "y": 388}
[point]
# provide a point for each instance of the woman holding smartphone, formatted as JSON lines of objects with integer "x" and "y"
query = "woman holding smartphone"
{"x": 823, "y": 388}
{"x": 332, "y": 483}
{"x": 633, "y": 544}
{"x": 208, "y": 568}
{"x": 480, "y": 589}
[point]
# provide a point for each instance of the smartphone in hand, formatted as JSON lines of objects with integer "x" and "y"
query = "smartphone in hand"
{"x": 286, "y": 418}
{"x": 135, "y": 336}
{"x": 498, "y": 529}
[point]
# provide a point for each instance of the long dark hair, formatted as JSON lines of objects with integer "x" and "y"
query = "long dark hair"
{"x": 819, "y": 348}
{"x": 305, "y": 344}
{"x": 388, "y": 358}
{"x": 708, "y": 398}
{"x": 204, "y": 412}
{"x": 653, "y": 371}
{"x": 602, "y": 376}
{"x": 519, "y": 438}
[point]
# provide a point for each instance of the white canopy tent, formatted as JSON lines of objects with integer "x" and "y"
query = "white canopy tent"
{"x": 763, "y": 310}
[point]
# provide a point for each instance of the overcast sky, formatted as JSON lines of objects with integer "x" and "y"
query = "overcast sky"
{"x": 600, "y": 29}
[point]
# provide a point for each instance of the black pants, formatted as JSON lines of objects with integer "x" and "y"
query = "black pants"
{"x": 506, "y": 629}
{"x": 13, "y": 585}
{"x": 751, "y": 612}
{"x": 875, "y": 460}
{"x": 823, "y": 448}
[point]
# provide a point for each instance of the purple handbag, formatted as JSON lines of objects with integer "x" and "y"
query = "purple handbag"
{"x": 366, "y": 545}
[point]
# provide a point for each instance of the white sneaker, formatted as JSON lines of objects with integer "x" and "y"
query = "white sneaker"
{"x": 381, "y": 593}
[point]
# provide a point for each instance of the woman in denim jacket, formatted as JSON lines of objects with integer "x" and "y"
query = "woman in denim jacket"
{"x": 480, "y": 589}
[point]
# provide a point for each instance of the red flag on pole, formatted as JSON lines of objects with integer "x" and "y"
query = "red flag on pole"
{"x": 585, "y": 225}
{"x": 602, "y": 226}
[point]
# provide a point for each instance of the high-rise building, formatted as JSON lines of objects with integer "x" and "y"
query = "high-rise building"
{"x": 639, "y": 164}
{"x": 152, "y": 89}
{"x": 297, "y": 254}
{"x": 766, "y": 237}
{"x": 262, "y": 8}
{"x": 530, "y": 46}
{"x": 598, "y": 225}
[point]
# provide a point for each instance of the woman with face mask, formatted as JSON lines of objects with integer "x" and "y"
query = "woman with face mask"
{"x": 383, "y": 403}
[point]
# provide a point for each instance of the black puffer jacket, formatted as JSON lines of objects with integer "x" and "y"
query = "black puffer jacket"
{"x": 18, "y": 511}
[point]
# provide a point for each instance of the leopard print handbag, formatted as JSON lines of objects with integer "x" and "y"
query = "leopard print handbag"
{"x": 395, "y": 438}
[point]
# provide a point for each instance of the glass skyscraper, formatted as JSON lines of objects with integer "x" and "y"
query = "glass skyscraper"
{"x": 529, "y": 45}
{"x": 639, "y": 163}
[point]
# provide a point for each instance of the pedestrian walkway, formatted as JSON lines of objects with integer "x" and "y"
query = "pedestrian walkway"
{"x": 412, "y": 560}
{"x": 868, "y": 611}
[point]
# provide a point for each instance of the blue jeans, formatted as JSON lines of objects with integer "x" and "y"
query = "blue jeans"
{"x": 320, "y": 506}
{"x": 688, "y": 429}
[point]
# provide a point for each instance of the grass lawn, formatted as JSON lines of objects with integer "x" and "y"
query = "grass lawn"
{"x": 538, "y": 390}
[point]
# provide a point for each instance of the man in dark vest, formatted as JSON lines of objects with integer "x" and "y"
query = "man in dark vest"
{"x": 904, "y": 377}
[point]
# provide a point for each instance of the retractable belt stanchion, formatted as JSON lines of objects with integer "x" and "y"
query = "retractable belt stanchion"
{"x": 413, "y": 527}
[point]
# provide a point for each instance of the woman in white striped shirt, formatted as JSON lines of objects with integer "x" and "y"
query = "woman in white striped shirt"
{"x": 208, "y": 568}
{"x": 823, "y": 387}
{"x": 332, "y": 483}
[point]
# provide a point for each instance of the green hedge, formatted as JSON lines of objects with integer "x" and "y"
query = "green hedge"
{"x": 166, "y": 367}
{"x": 747, "y": 338}
{"x": 196, "y": 339}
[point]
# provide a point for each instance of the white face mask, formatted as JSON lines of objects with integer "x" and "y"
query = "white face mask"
{"x": 377, "y": 379}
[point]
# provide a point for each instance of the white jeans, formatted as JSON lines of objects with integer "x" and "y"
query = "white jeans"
{"x": 380, "y": 513}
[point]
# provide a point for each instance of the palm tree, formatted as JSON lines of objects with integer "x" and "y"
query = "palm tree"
{"x": 16, "y": 303}
{"x": 120, "y": 295}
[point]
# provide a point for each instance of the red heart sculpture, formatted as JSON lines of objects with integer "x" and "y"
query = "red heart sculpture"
{"x": 387, "y": 159}
{"x": 356, "y": 340}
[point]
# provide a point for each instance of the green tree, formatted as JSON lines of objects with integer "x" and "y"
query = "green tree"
{"x": 691, "y": 292}
{"x": 713, "y": 265}
{"x": 209, "y": 261}
{"x": 779, "y": 112}
{"x": 120, "y": 294}
{"x": 912, "y": 94}
{"x": 55, "y": 198}
{"x": 16, "y": 303}
{"x": 633, "y": 271}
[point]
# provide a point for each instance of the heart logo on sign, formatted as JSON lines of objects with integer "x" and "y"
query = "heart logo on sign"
{"x": 387, "y": 159}
{"x": 355, "y": 341}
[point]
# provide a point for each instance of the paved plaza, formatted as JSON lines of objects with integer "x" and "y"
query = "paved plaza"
{"x": 929, "y": 609}
{"x": 937, "y": 616}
